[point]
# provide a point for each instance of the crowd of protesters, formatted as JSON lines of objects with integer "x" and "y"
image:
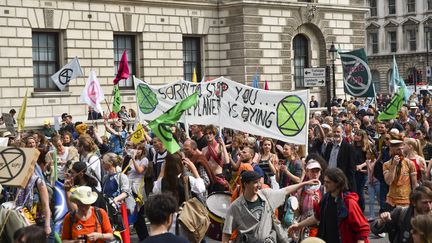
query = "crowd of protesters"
{"x": 277, "y": 190}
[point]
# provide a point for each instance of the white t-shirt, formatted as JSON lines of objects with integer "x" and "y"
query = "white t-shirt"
{"x": 133, "y": 174}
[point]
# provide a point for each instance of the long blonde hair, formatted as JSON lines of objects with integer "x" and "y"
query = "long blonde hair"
{"x": 415, "y": 143}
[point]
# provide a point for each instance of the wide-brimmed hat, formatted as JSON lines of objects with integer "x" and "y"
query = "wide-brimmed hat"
{"x": 84, "y": 194}
{"x": 47, "y": 122}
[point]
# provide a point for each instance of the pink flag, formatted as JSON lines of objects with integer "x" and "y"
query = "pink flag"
{"x": 123, "y": 69}
{"x": 266, "y": 85}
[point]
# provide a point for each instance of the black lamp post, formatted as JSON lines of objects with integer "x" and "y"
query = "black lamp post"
{"x": 332, "y": 52}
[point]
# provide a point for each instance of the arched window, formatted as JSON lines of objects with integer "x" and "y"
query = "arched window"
{"x": 412, "y": 75}
{"x": 376, "y": 80}
{"x": 301, "y": 58}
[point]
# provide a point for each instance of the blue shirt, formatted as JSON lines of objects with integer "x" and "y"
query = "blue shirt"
{"x": 116, "y": 144}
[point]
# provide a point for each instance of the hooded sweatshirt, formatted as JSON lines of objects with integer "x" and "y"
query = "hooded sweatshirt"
{"x": 352, "y": 223}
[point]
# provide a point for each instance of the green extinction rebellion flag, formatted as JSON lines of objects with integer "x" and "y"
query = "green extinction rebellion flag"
{"x": 392, "y": 109}
{"x": 162, "y": 125}
{"x": 356, "y": 73}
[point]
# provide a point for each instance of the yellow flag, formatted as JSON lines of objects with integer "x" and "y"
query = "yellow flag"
{"x": 194, "y": 77}
{"x": 21, "y": 114}
{"x": 138, "y": 134}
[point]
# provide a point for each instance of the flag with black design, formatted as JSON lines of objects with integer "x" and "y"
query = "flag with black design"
{"x": 117, "y": 99}
{"x": 70, "y": 71}
{"x": 162, "y": 125}
{"x": 392, "y": 108}
{"x": 357, "y": 77}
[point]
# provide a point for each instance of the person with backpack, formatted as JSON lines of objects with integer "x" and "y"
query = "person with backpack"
{"x": 252, "y": 214}
{"x": 115, "y": 185}
{"x": 398, "y": 222}
{"x": 88, "y": 223}
{"x": 172, "y": 179}
{"x": 161, "y": 209}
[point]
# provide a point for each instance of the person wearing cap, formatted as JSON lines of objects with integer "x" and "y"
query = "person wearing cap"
{"x": 338, "y": 213}
{"x": 47, "y": 129}
{"x": 400, "y": 174}
{"x": 310, "y": 196}
{"x": 86, "y": 226}
{"x": 252, "y": 213}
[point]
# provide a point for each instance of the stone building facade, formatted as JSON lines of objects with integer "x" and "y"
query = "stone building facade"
{"x": 401, "y": 28}
{"x": 165, "y": 41}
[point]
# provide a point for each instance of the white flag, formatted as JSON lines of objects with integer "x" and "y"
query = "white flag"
{"x": 93, "y": 94}
{"x": 70, "y": 71}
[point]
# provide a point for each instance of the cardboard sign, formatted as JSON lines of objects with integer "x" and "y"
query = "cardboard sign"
{"x": 9, "y": 123}
{"x": 223, "y": 102}
{"x": 17, "y": 165}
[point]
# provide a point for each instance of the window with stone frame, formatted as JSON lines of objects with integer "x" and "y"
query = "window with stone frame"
{"x": 373, "y": 42}
{"x": 428, "y": 34}
{"x": 411, "y": 37}
{"x": 191, "y": 57}
{"x": 121, "y": 43}
{"x": 376, "y": 80}
{"x": 391, "y": 6}
{"x": 301, "y": 58}
{"x": 373, "y": 8}
{"x": 392, "y": 39}
{"x": 45, "y": 46}
{"x": 411, "y": 5}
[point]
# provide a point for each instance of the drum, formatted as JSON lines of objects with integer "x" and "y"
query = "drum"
{"x": 217, "y": 205}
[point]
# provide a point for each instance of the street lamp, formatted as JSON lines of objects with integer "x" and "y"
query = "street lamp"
{"x": 332, "y": 52}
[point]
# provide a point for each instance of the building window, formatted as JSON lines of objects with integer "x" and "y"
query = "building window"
{"x": 373, "y": 8}
{"x": 376, "y": 80}
{"x": 392, "y": 41}
{"x": 392, "y": 6}
{"x": 301, "y": 58}
{"x": 429, "y": 4}
{"x": 122, "y": 43}
{"x": 414, "y": 75}
{"x": 191, "y": 57}
{"x": 412, "y": 39}
{"x": 373, "y": 42}
{"x": 428, "y": 35}
{"x": 411, "y": 6}
{"x": 45, "y": 60}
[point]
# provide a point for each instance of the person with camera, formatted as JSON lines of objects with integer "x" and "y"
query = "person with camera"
{"x": 87, "y": 224}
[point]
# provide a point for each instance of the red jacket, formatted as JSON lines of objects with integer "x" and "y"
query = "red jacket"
{"x": 353, "y": 225}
